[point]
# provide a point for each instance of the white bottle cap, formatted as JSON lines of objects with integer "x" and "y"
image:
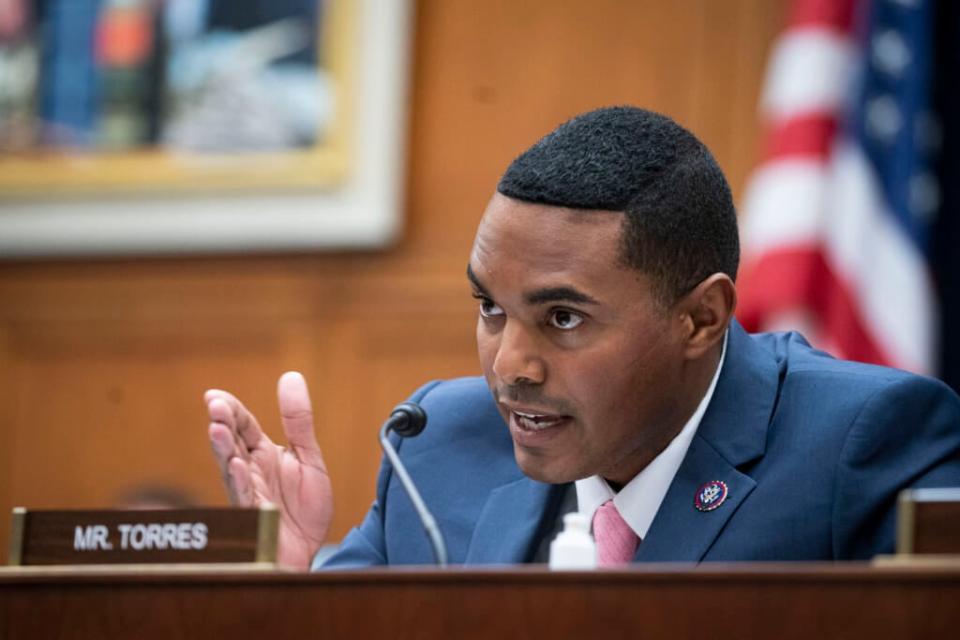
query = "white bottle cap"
{"x": 573, "y": 547}
{"x": 576, "y": 521}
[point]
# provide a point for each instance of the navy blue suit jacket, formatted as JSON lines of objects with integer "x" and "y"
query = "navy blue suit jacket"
{"x": 813, "y": 450}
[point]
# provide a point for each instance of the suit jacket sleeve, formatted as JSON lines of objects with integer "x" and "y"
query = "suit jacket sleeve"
{"x": 365, "y": 545}
{"x": 906, "y": 435}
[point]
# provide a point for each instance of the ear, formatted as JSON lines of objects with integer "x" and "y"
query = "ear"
{"x": 706, "y": 312}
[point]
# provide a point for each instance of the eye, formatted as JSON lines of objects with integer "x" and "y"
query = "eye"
{"x": 488, "y": 308}
{"x": 564, "y": 319}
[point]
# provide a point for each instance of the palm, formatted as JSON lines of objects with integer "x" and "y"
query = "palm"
{"x": 258, "y": 471}
{"x": 304, "y": 496}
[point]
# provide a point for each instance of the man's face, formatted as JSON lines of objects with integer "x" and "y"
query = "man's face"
{"x": 583, "y": 362}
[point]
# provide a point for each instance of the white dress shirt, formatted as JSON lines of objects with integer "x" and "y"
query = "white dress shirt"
{"x": 640, "y": 498}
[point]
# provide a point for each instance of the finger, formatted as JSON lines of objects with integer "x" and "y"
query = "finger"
{"x": 222, "y": 442}
{"x": 296, "y": 416}
{"x": 240, "y": 485}
{"x": 224, "y": 450}
{"x": 224, "y": 407}
{"x": 221, "y": 413}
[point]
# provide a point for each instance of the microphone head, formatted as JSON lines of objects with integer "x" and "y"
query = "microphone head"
{"x": 408, "y": 419}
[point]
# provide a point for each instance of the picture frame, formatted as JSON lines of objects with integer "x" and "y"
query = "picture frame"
{"x": 342, "y": 190}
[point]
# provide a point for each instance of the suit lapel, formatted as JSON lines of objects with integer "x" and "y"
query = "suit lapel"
{"x": 681, "y": 533}
{"x": 733, "y": 432}
{"x": 515, "y": 517}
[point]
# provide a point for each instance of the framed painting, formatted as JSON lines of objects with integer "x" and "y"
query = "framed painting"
{"x": 162, "y": 126}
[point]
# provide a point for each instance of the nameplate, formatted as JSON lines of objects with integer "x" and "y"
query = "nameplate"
{"x": 74, "y": 537}
{"x": 928, "y": 522}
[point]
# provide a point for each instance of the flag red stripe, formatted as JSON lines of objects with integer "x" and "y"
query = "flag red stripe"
{"x": 807, "y": 135}
{"x": 835, "y": 14}
{"x": 785, "y": 279}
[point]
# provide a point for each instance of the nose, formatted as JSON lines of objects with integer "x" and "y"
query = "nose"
{"x": 518, "y": 358}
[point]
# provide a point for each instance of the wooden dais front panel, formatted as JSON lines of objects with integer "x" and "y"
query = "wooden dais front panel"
{"x": 667, "y": 601}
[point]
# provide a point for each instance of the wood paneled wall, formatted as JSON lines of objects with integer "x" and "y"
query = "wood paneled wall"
{"x": 102, "y": 363}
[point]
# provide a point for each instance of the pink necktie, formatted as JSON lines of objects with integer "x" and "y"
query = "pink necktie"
{"x": 616, "y": 541}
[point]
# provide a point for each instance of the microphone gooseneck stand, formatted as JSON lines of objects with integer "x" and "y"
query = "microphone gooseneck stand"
{"x": 408, "y": 420}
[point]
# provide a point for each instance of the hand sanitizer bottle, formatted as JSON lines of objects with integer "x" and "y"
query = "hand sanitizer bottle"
{"x": 573, "y": 548}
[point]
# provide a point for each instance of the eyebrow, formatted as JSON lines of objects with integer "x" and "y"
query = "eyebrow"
{"x": 558, "y": 294}
{"x": 539, "y": 296}
{"x": 475, "y": 281}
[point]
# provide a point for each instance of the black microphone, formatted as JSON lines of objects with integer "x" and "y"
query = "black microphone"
{"x": 408, "y": 420}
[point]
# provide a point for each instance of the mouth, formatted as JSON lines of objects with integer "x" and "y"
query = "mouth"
{"x": 535, "y": 428}
{"x": 529, "y": 421}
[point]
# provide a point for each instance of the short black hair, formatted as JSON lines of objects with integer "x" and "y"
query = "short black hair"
{"x": 680, "y": 223}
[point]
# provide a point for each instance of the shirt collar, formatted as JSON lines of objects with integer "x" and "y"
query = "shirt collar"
{"x": 640, "y": 498}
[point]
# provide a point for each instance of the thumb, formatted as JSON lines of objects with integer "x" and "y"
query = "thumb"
{"x": 296, "y": 416}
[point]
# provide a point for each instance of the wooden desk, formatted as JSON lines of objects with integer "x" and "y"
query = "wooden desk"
{"x": 744, "y": 601}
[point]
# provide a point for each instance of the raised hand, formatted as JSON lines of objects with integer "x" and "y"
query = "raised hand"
{"x": 255, "y": 470}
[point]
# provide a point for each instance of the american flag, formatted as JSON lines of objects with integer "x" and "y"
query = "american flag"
{"x": 837, "y": 217}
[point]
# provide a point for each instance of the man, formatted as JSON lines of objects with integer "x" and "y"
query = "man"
{"x": 619, "y": 384}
